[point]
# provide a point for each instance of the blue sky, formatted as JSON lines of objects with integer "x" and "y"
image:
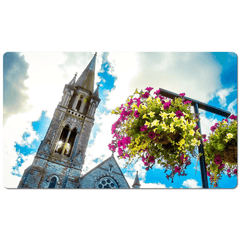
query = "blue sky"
{"x": 118, "y": 75}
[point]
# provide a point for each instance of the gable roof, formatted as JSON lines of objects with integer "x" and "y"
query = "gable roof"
{"x": 105, "y": 165}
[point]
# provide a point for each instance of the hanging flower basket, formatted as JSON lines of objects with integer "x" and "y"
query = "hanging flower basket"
{"x": 221, "y": 150}
{"x": 156, "y": 130}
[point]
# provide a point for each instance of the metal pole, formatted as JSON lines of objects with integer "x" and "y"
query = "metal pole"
{"x": 201, "y": 151}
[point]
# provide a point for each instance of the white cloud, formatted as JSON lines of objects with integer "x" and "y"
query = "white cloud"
{"x": 193, "y": 73}
{"x": 222, "y": 94}
{"x": 191, "y": 183}
{"x": 44, "y": 88}
{"x": 206, "y": 123}
{"x": 196, "y": 74}
{"x": 231, "y": 105}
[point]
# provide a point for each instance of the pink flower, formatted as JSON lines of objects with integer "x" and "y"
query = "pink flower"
{"x": 233, "y": 117}
{"x": 221, "y": 166}
{"x": 136, "y": 114}
{"x": 218, "y": 160}
{"x": 151, "y": 135}
{"x": 125, "y": 141}
{"x": 213, "y": 128}
{"x": 145, "y": 95}
{"x": 138, "y": 101}
{"x": 208, "y": 174}
{"x": 120, "y": 151}
{"x": 151, "y": 159}
{"x": 121, "y": 143}
{"x": 149, "y": 89}
{"x": 182, "y": 158}
{"x": 182, "y": 94}
{"x": 204, "y": 136}
{"x": 157, "y": 92}
{"x": 112, "y": 147}
{"x": 143, "y": 128}
{"x": 130, "y": 102}
{"x": 167, "y": 105}
{"x": 167, "y": 176}
{"x": 179, "y": 113}
{"x": 177, "y": 169}
{"x": 228, "y": 170}
{"x": 186, "y": 102}
{"x": 235, "y": 171}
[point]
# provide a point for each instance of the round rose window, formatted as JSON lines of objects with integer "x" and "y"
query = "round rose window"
{"x": 107, "y": 182}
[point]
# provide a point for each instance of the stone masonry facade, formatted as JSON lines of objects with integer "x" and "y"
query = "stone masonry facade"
{"x": 60, "y": 157}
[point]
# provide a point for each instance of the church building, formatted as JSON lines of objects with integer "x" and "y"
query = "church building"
{"x": 60, "y": 157}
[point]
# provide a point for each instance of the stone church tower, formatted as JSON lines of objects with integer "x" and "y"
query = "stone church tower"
{"x": 60, "y": 157}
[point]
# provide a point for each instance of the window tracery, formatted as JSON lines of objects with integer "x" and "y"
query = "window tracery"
{"x": 107, "y": 182}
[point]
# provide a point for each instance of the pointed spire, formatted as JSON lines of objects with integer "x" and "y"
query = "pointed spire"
{"x": 72, "y": 82}
{"x": 136, "y": 183}
{"x": 86, "y": 80}
{"x": 96, "y": 93}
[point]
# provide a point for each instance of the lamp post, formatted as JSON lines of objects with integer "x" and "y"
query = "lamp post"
{"x": 197, "y": 104}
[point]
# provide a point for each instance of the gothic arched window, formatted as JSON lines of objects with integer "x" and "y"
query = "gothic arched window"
{"x": 53, "y": 182}
{"x": 70, "y": 142}
{"x": 79, "y": 105}
{"x": 62, "y": 139}
{"x": 107, "y": 182}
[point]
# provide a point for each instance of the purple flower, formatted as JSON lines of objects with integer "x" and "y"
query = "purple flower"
{"x": 167, "y": 105}
{"x": 167, "y": 176}
{"x": 157, "y": 92}
{"x": 130, "y": 102}
{"x": 218, "y": 160}
{"x": 121, "y": 143}
{"x": 204, "y": 136}
{"x": 138, "y": 101}
{"x": 213, "y": 128}
{"x": 112, "y": 147}
{"x": 177, "y": 169}
{"x": 235, "y": 171}
{"x": 136, "y": 114}
{"x": 143, "y": 128}
{"x": 179, "y": 113}
{"x": 233, "y": 117}
{"x": 151, "y": 135}
{"x": 221, "y": 166}
{"x": 151, "y": 159}
{"x": 208, "y": 174}
{"x": 186, "y": 102}
{"x": 126, "y": 141}
{"x": 149, "y": 89}
{"x": 145, "y": 95}
{"x": 120, "y": 151}
{"x": 182, "y": 94}
{"x": 228, "y": 170}
{"x": 182, "y": 158}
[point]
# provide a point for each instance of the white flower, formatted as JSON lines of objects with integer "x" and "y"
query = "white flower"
{"x": 229, "y": 135}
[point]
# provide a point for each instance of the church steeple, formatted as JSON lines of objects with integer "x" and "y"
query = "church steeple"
{"x": 96, "y": 93}
{"x": 60, "y": 156}
{"x": 136, "y": 183}
{"x": 86, "y": 79}
{"x": 72, "y": 82}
